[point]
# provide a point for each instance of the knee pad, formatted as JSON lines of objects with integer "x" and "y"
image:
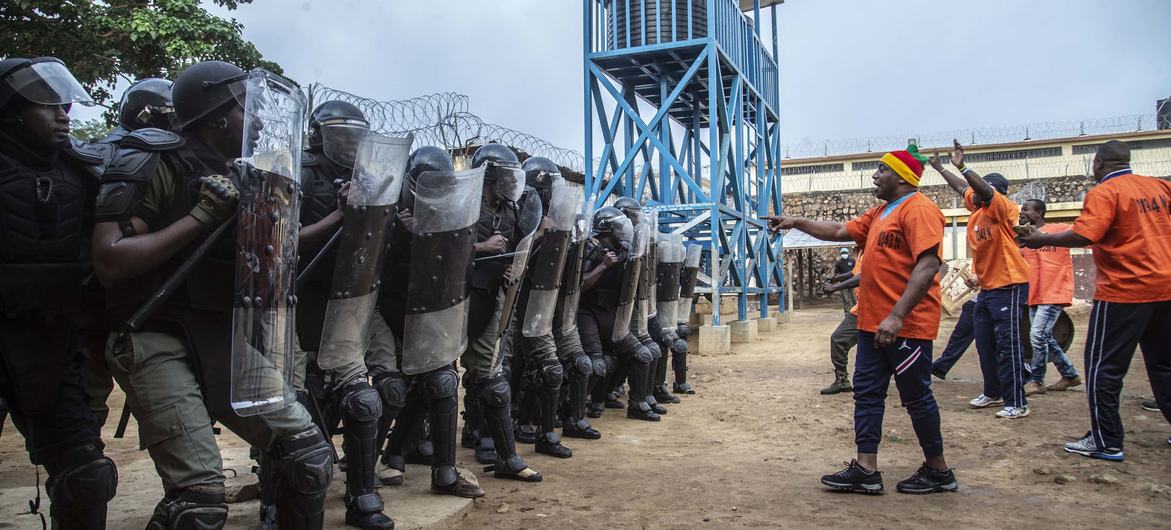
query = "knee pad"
{"x": 644, "y": 355}
{"x": 679, "y": 346}
{"x": 552, "y": 373}
{"x": 393, "y": 389}
{"x": 195, "y": 508}
{"x": 656, "y": 351}
{"x": 583, "y": 365}
{"x": 683, "y": 330}
{"x": 86, "y": 477}
{"x": 495, "y": 392}
{"x": 360, "y": 401}
{"x": 305, "y": 461}
{"x": 611, "y": 366}
{"x": 598, "y": 363}
{"x": 441, "y": 383}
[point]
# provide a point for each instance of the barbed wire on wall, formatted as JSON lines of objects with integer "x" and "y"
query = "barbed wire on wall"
{"x": 985, "y": 135}
{"x": 444, "y": 119}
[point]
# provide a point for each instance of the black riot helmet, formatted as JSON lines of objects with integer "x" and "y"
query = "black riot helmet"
{"x": 503, "y": 173}
{"x": 424, "y": 159}
{"x": 337, "y": 128}
{"x": 148, "y": 103}
{"x": 44, "y": 80}
{"x": 540, "y": 172}
{"x": 610, "y": 221}
{"x": 630, "y": 207}
{"x": 206, "y": 87}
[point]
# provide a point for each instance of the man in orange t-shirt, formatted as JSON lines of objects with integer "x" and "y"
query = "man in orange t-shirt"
{"x": 1126, "y": 219}
{"x": 898, "y": 318}
{"x": 1050, "y": 289}
{"x": 1004, "y": 282}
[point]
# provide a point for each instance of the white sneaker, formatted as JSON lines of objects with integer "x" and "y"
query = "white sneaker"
{"x": 388, "y": 476}
{"x": 1013, "y": 413}
{"x": 983, "y": 401}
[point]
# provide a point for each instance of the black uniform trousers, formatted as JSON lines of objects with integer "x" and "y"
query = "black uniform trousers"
{"x": 1115, "y": 330}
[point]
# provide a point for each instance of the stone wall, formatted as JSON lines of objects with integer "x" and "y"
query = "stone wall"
{"x": 812, "y": 267}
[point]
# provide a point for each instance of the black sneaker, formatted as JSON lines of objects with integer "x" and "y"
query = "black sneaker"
{"x": 1151, "y": 405}
{"x": 854, "y": 478}
{"x": 928, "y": 480}
{"x": 942, "y": 375}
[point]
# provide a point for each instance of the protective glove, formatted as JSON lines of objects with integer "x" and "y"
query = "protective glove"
{"x": 217, "y": 200}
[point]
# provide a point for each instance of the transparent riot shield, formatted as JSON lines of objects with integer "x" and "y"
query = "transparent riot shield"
{"x": 446, "y": 208}
{"x": 570, "y": 296}
{"x": 528, "y": 221}
{"x": 627, "y": 294}
{"x": 549, "y": 261}
{"x": 669, "y": 266}
{"x": 687, "y": 281}
{"x": 266, "y": 237}
{"x": 645, "y": 308}
{"x": 380, "y": 163}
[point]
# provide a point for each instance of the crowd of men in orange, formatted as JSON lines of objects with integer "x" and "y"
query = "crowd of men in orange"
{"x": 1125, "y": 221}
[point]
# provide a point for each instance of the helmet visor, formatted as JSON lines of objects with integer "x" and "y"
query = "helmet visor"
{"x": 623, "y": 230}
{"x": 48, "y": 83}
{"x": 509, "y": 181}
{"x": 340, "y": 140}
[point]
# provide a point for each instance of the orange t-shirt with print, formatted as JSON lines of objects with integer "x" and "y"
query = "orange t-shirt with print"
{"x": 1128, "y": 218}
{"x": 996, "y": 258}
{"x": 1050, "y": 271}
{"x": 893, "y": 236}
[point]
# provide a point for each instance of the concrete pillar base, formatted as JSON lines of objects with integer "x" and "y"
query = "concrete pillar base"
{"x": 715, "y": 340}
{"x": 744, "y": 331}
{"x": 783, "y": 317}
{"x": 766, "y": 324}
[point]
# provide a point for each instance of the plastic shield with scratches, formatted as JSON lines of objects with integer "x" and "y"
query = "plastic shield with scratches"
{"x": 548, "y": 263}
{"x": 667, "y": 273}
{"x": 566, "y": 312}
{"x": 380, "y": 163}
{"x": 435, "y": 329}
{"x": 687, "y": 280}
{"x": 528, "y": 221}
{"x": 645, "y": 308}
{"x": 269, "y": 174}
{"x": 627, "y": 294}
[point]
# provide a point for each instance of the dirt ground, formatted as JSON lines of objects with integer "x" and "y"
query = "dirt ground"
{"x": 747, "y": 451}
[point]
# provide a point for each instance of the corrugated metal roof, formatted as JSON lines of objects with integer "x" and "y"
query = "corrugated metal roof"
{"x": 796, "y": 239}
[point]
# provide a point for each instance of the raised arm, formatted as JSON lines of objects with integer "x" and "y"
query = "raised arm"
{"x": 983, "y": 191}
{"x": 823, "y": 230}
{"x": 957, "y": 183}
{"x": 926, "y": 266}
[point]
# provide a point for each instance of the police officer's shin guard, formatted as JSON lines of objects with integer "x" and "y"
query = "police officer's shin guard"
{"x": 549, "y": 389}
{"x": 494, "y": 399}
{"x": 392, "y": 388}
{"x": 576, "y": 426}
{"x": 81, "y": 481}
{"x": 638, "y": 368}
{"x": 438, "y": 388}
{"x": 361, "y": 408}
{"x": 303, "y": 469}
{"x": 679, "y": 364}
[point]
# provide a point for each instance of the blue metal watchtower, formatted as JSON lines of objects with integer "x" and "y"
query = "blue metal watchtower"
{"x": 686, "y": 99}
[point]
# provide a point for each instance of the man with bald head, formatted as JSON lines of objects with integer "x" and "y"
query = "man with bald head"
{"x": 1126, "y": 220}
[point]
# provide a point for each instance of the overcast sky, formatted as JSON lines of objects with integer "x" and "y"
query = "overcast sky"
{"x": 849, "y": 68}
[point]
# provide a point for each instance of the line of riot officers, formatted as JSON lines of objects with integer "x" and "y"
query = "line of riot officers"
{"x": 223, "y": 273}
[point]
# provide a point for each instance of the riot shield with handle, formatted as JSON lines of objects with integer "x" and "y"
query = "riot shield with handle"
{"x": 446, "y": 208}
{"x": 668, "y": 268}
{"x": 379, "y": 166}
{"x": 687, "y": 281}
{"x": 570, "y": 294}
{"x": 548, "y": 263}
{"x": 627, "y": 294}
{"x": 266, "y": 238}
{"x": 644, "y": 308}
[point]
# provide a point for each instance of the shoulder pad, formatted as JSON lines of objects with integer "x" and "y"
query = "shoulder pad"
{"x": 132, "y": 164}
{"x": 115, "y": 136}
{"x": 151, "y": 139}
{"x": 91, "y": 154}
{"x": 308, "y": 159}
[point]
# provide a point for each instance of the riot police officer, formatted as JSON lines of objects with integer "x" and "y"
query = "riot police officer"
{"x": 47, "y": 185}
{"x": 639, "y": 326}
{"x": 147, "y": 103}
{"x": 531, "y": 335}
{"x": 336, "y": 129}
{"x": 608, "y": 292}
{"x": 160, "y": 198}
{"x": 487, "y": 417}
{"x": 424, "y": 301}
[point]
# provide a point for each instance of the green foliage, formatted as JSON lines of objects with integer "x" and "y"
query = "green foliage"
{"x": 104, "y": 41}
{"x": 89, "y": 129}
